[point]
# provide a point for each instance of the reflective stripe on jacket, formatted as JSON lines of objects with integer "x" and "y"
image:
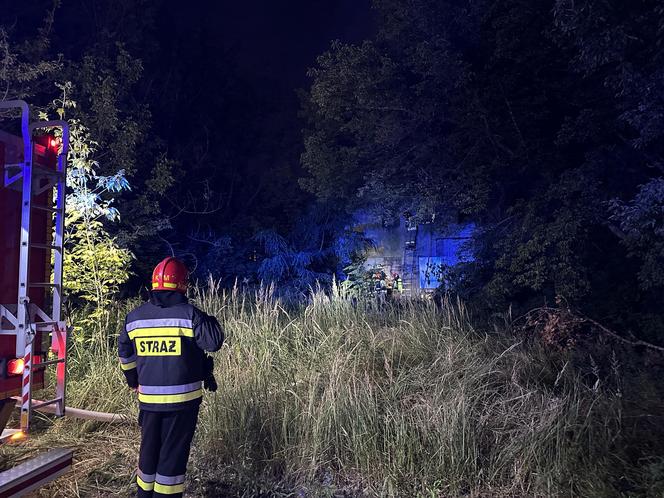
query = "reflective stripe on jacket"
{"x": 162, "y": 348}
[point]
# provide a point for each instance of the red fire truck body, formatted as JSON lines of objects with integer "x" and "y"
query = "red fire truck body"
{"x": 33, "y": 336}
{"x": 45, "y": 156}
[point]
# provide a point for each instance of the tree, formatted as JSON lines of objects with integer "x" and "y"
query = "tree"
{"x": 314, "y": 253}
{"x": 95, "y": 52}
{"x": 530, "y": 118}
{"x": 641, "y": 225}
{"x": 222, "y": 163}
{"x": 25, "y": 68}
{"x": 94, "y": 264}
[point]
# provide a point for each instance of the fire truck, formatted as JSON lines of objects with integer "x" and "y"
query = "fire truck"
{"x": 33, "y": 335}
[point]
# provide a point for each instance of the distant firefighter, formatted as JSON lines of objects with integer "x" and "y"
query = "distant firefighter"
{"x": 389, "y": 288}
{"x": 398, "y": 283}
{"x": 162, "y": 355}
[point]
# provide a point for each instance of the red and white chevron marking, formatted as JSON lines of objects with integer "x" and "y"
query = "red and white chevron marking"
{"x": 27, "y": 388}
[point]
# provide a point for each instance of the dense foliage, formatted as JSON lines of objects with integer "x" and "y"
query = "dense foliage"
{"x": 539, "y": 120}
{"x": 212, "y": 158}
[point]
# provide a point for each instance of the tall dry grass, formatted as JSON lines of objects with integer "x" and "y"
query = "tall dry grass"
{"x": 405, "y": 399}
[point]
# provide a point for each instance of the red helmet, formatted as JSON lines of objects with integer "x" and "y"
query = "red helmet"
{"x": 170, "y": 274}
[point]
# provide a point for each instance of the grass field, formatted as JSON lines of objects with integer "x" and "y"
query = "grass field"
{"x": 332, "y": 399}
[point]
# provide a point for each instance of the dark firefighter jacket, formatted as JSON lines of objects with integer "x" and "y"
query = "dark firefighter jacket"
{"x": 162, "y": 351}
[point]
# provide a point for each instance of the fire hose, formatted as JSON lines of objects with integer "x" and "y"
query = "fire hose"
{"x": 112, "y": 418}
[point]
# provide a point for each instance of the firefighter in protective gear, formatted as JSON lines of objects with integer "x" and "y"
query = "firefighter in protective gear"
{"x": 398, "y": 282}
{"x": 162, "y": 355}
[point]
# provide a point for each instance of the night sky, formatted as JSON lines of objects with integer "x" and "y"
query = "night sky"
{"x": 277, "y": 40}
{"x": 280, "y": 40}
{"x": 263, "y": 45}
{"x": 269, "y": 45}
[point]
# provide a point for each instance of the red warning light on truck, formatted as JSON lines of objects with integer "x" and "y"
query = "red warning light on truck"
{"x": 15, "y": 366}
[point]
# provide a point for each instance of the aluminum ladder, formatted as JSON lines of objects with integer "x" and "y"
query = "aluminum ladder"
{"x": 410, "y": 265}
{"x": 29, "y": 318}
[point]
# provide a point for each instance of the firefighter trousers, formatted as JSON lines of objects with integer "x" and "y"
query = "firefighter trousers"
{"x": 165, "y": 443}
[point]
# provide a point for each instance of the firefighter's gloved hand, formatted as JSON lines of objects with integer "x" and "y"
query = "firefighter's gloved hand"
{"x": 209, "y": 382}
{"x": 132, "y": 378}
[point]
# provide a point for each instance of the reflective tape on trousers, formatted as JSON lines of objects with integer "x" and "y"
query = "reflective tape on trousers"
{"x": 166, "y": 489}
{"x": 145, "y": 486}
{"x": 146, "y": 477}
{"x": 170, "y": 479}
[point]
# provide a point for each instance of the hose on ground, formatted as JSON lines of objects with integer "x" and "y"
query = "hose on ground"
{"x": 112, "y": 418}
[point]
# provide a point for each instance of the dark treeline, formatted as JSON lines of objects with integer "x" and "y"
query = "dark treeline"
{"x": 211, "y": 150}
{"x": 541, "y": 121}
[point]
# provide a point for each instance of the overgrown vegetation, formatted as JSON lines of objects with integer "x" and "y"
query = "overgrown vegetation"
{"x": 94, "y": 264}
{"x": 405, "y": 400}
{"x": 539, "y": 121}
